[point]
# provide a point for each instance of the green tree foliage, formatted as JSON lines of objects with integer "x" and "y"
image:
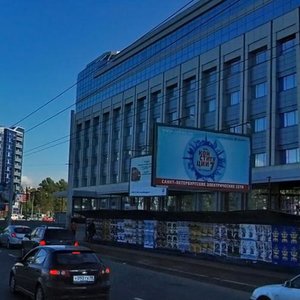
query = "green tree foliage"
{"x": 42, "y": 199}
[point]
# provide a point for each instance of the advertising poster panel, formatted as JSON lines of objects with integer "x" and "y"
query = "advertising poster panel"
{"x": 285, "y": 244}
{"x": 256, "y": 243}
{"x": 140, "y": 178}
{"x": 189, "y": 159}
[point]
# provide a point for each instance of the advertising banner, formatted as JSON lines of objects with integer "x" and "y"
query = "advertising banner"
{"x": 285, "y": 244}
{"x": 140, "y": 178}
{"x": 189, "y": 159}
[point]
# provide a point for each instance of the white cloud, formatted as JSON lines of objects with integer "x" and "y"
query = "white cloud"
{"x": 26, "y": 181}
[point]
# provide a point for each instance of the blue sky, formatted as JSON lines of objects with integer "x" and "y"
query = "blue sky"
{"x": 44, "y": 45}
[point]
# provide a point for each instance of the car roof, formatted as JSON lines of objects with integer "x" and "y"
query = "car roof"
{"x": 66, "y": 248}
{"x": 19, "y": 226}
{"x": 51, "y": 227}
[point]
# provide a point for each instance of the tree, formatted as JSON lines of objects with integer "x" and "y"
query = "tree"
{"x": 42, "y": 198}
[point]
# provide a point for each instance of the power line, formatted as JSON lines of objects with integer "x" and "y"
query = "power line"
{"x": 93, "y": 94}
{"x": 134, "y": 68}
{"x": 78, "y": 81}
{"x": 179, "y": 90}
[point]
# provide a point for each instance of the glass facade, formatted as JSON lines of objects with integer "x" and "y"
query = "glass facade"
{"x": 215, "y": 77}
{"x": 228, "y": 20}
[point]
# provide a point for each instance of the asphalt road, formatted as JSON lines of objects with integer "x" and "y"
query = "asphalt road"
{"x": 135, "y": 283}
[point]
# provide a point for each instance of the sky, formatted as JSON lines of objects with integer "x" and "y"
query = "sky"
{"x": 44, "y": 45}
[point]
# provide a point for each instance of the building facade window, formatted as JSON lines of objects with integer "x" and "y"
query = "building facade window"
{"x": 260, "y": 124}
{"x": 188, "y": 102}
{"x": 260, "y": 56}
{"x": 235, "y": 129}
{"x": 233, "y": 66}
{"x": 286, "y": 45}
{"x": 234, "y": 98}
{"x": 260, "y": 90}
{"x": 211, "y": 104}
{"x": 171, "y": 104}
{"x": 287, "y": 82}
{"x": 289, "y": 118}
{"x": 209, "y": 90}
{"x": 210, "y": 76}
{"x": 260, "y": 160}
{"x": 291, "y": 156}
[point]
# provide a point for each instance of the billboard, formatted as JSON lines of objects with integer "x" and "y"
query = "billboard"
{"x": 193, "y": 159}
{"x": 140, "y": 178}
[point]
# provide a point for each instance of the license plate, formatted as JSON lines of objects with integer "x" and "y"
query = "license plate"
{"x": 83, "y": 278}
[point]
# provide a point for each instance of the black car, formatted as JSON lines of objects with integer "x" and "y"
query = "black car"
{"x": 60, "y": 272}
{"x": 47, "y": 235}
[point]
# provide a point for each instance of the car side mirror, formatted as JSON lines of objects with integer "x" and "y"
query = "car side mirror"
{"x": 287, "y": 283}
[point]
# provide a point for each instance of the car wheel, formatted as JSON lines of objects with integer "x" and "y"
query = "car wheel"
{"x": 39, "y": 293}
{"x": 12, "y": 284}
{"x": 263, "y": 298}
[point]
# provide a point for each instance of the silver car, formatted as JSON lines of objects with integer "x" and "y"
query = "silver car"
{"x": 290, "y": 290}
{"x": 12, "y": 235}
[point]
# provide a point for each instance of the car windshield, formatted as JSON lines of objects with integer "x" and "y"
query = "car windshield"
{"x": 73, "y": 258}
{"x": 58, "y": 234}
{"x": 22, "y": 230}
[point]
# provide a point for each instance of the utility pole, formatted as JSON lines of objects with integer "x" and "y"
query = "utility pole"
{"x": 27, "y": 199}
{"x": 32, "y": 203}
{"x": 11, "y": 193}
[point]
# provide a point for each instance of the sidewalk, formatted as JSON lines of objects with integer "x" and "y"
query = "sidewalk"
{"x": 242, "y": 277}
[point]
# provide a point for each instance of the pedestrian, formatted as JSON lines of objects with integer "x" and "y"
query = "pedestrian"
{"x": 91, "y": 230}
{"x": 73, "y": 227}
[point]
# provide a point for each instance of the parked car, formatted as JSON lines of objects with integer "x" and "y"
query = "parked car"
{"x": 12, "y": 235}
{"x": 290, "y": 290}
{"x": 60, "y": 272}
{"x": 48, "y": 219}
{"x": 47, "y": 235}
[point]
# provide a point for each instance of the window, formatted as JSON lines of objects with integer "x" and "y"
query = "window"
{"x": 233, "y": 66}
{"x": 292, "y": 156}
{"x": 173, "y": 116}
{"x": 141, "y": 103}
{"x": 289, "y": 118}
{"x": 235, "y": 129}
{"x": 234, "y": 98}
{"x": 287, "y": 82}
{"x": 296, "y": 283}
{"x": 142, "y": 127}
{"x": 260, "y": 90}
{"x": 260, "y": 160}
{"x": 68, "y": 258}
{"x": 40, "y": 257}
{"x": 260, "y": 124}
{"x": 211, "y": 105}
{"x": 191, "y": 111}
{"x": 30, "y": 257}
{"x": 260, "y": 56}
{"x": 210, "y": 76}
{"x": 287, "y": 45}
{"x": 128, "y": 131}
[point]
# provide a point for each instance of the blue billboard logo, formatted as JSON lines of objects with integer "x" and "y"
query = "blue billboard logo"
{"x": 204, "y": 160}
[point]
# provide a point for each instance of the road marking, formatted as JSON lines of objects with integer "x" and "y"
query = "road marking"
{"x": 136, "y": 298}
{"x": 207, "y": 277}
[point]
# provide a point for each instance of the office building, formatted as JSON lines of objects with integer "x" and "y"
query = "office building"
{"x": 226, "y": 66}
{"x": 11, "y": 156}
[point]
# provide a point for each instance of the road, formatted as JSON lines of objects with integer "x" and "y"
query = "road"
{"x": 134, "y": 283}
